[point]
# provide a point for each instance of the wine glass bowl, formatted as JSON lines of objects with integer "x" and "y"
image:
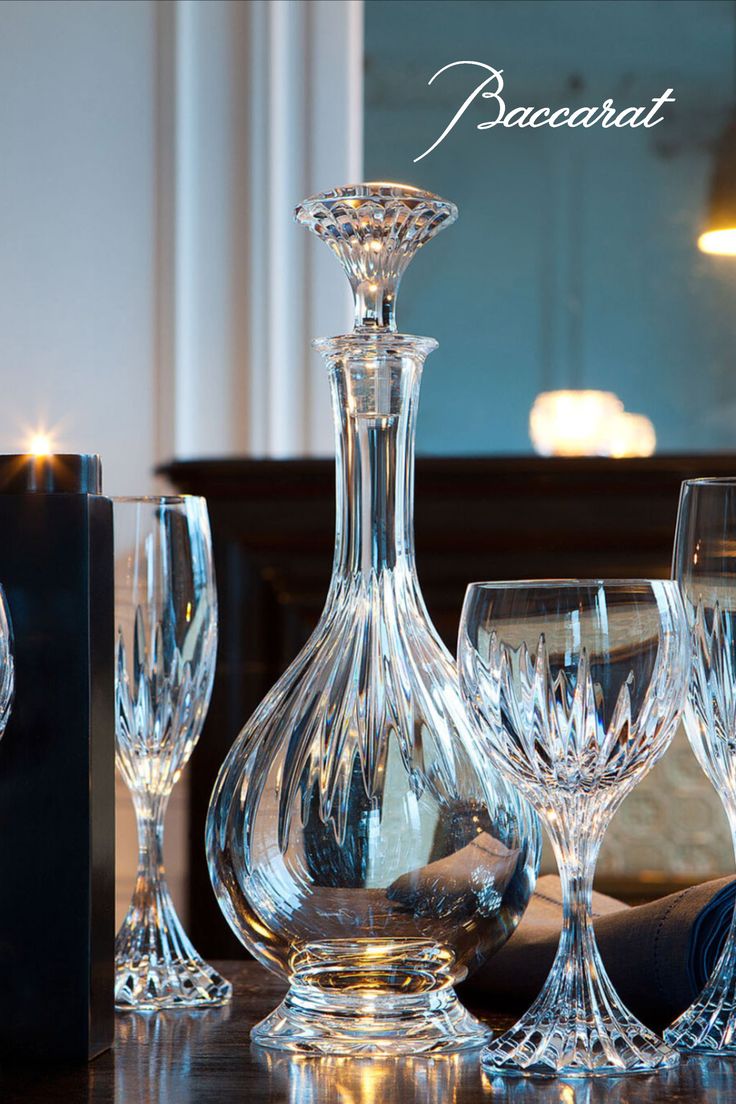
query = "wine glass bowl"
{"x": 577, "y": 687}
{"x": 165, "y": 649}
{"x": 704, "y": 563}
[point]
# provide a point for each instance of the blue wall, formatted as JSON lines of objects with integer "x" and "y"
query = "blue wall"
{"x": 574, "y": 259}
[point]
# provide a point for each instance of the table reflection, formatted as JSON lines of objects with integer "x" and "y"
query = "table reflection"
{"x": 459, "y": 1078}
{"x": 160, "y": 1048}
{"x": 182, "y": 1057}
{"x": 629, "y": 1089}
{"x": 707, "y": 1080}
{"x": 438, "y": 1080}
{"x": 695, "y": 1081}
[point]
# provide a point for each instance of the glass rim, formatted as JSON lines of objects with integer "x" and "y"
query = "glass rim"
{"x": 708, "y": 480}
{"x": 568, "y": 584}
{"x": 160, "y": 500}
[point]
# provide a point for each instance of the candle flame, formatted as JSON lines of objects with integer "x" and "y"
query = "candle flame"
{"x": 40, "y": 444}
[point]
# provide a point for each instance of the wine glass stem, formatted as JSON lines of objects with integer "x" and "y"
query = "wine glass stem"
{"x": 151, "y": 880}
{"x": 722, "y": 982}
{"x": 709, "y": 1024}
{"x": 576, "y": 845}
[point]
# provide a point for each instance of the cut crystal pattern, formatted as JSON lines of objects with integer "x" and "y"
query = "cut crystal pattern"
{"x": 375, "y": 230}
{"x": 356, "y": 842}
{"x": 558, "y": 731}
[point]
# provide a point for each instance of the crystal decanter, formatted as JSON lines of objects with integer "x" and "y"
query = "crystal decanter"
{"x": 357, "y": 841}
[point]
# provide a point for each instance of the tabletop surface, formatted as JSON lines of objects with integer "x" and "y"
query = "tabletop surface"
{"x": 198, "y": 1058}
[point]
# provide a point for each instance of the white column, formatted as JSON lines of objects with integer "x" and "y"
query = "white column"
{"x": 264, "y": 102}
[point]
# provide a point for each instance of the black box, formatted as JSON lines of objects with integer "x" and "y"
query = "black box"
{"x": 57, "y": 761}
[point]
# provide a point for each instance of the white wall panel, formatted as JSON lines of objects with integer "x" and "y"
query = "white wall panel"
{"x": 266, "y": 99}
{"x": 77, "y": 98}
{"x": 155, "y": 297}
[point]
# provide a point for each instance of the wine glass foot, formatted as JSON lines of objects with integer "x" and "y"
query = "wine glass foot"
{"x": 182, "y": 983}
{"x": 707, "y": 1027}
{"x": 577, "y": 1047}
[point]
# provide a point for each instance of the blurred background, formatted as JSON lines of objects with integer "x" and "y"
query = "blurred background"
{"x": 157, "y": 301}
{"x": 574, "y": 263}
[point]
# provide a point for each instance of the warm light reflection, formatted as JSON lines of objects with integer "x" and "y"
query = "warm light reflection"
{"x": 573, "y": 423}
{"x": 632, "y": 435}
{"x": 433, "y": 1079}
{"x": 40, "y": 444}
{"x": 720, "y": 242}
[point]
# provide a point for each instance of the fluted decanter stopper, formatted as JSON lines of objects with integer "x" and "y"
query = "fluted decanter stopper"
{"x": 357, "y": 840}
{"x": 375, "y": 230}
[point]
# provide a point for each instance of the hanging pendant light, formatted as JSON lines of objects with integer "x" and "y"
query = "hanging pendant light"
{"x": 719, "y": 232}
{"x": 718, "y": 235}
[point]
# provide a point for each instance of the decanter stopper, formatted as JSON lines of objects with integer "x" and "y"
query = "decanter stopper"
{"x": 375, "y": 230}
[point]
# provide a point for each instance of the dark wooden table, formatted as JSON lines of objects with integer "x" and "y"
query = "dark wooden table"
{"x": 198, "y": 1058}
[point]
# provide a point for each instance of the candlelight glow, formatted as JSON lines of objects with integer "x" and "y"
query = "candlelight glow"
{"x": 720, "y": 242}
{"x": 588, "y": 423}
{"x": 40, "y": 444}
{"x": 573, "y": 423}
{"x": 632, "y": 435}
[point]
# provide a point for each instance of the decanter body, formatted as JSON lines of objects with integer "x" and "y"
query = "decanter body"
{"x": 357, "y": 841}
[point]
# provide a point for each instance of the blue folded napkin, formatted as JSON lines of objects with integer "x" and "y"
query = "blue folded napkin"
{"x": 658, "y": 955}
{"x": 710, "y": 928}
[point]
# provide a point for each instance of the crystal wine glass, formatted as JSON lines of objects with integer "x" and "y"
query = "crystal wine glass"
{"x": 7, "y": 667}
{"x": 166, "y": 641}
{"x": 577, "y": 686}
{"x": 704, "y": 564}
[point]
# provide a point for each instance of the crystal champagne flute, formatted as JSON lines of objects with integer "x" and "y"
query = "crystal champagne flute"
{"x": 166, "y": 642}
{"x": 704, "y": 564}
{"x": 577, "y": 687}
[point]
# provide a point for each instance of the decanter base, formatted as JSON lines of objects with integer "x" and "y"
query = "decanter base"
{"x": 384, "y": 1026}
{"x": 379, "y": 997}
{"x": 189, "y": 983}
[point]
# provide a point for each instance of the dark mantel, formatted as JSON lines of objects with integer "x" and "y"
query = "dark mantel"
{"x": 476, "y": 518}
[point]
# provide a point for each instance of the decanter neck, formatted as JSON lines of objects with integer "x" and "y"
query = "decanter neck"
{"x": 375, "y": 389}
